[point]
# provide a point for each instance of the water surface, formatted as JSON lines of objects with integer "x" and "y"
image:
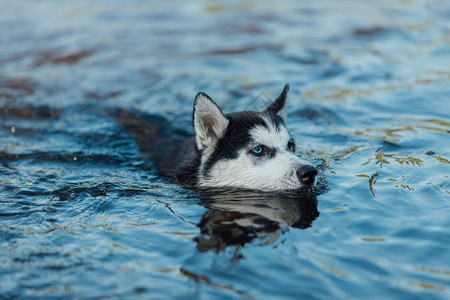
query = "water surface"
{"x": 83, "y": 213}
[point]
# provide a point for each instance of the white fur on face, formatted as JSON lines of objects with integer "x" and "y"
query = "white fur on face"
{"x": 270, "y": 136}
{"x": 261, "y": 173}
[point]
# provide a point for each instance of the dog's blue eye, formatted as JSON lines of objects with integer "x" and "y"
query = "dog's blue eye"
{"x": 257, "y": 150}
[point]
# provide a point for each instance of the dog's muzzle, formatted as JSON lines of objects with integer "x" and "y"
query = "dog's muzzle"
{"x": 306, "y": 174}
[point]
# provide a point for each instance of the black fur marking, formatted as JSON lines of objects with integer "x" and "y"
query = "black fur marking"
{"x": 236, "y": 137}
{"x": 274, "y": 119}
{"x": 291, "y": 145}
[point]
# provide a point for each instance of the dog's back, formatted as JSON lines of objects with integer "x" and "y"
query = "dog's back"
{"x": 171, "y": 150}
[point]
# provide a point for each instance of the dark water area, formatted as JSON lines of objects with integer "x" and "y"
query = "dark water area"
{"x": 83, "y": 213}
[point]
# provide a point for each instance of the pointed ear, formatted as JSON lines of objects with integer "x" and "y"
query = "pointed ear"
{"x": 279, "y": 106}
{"x": 209, "y": 122}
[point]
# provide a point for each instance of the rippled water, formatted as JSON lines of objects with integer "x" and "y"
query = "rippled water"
{"x": 84, "y": 215}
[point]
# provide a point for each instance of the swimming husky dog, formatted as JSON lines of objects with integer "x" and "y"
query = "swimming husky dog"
{"x": 247, "y": 149}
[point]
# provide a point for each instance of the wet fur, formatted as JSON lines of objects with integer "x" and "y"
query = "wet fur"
{"x": 161, "y": 142}
{"x": 217, "y": 155}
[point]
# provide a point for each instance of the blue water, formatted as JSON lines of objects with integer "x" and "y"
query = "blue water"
{"x": 83, "y": 214}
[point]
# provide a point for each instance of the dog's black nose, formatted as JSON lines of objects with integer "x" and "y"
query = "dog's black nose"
{"x": 306, "y": 174}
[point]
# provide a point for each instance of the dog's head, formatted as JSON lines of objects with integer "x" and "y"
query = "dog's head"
{"x": 248, "y": 149}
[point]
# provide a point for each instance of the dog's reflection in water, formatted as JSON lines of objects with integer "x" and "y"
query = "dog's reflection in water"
{"x": 237, "y": 217}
